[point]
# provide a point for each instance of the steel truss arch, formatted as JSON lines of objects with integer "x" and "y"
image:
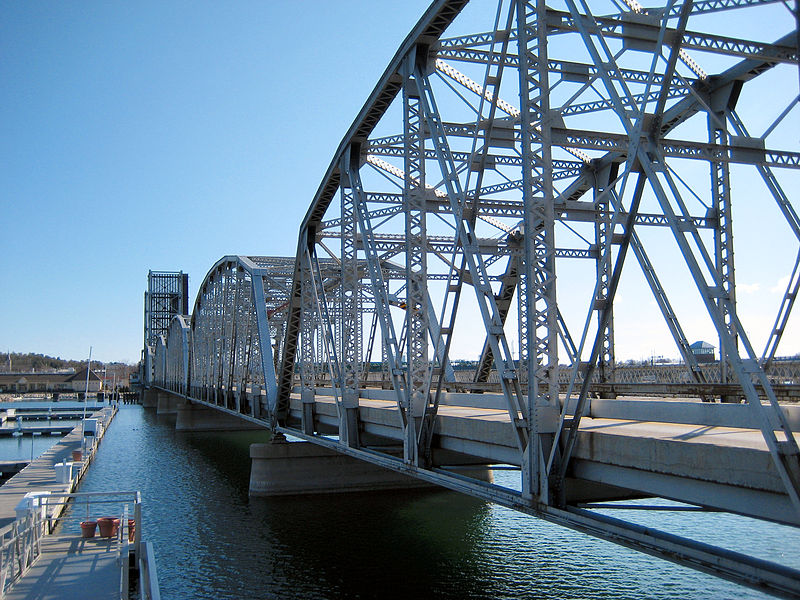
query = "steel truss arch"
{"x": 450, "y": 221}
{"x": 178, "y": 342}
{"x": 485, "y": 194}
{"x": 237, "y": 328}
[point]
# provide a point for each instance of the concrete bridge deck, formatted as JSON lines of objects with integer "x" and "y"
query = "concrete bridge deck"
{"x": 720, "y": 467}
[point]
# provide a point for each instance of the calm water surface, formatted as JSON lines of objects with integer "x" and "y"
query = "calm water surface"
{"x": 214, "y": 542}
{"x": 22, "y": 448}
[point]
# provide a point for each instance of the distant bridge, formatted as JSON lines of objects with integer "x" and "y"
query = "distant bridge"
{"x": 582, "y": 138}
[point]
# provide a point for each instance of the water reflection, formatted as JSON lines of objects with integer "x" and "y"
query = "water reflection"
{"x": 212, "y": 541}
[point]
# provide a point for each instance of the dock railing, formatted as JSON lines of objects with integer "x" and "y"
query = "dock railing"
{"x": 123, "y": 510}
{"x": 19, "y": 548}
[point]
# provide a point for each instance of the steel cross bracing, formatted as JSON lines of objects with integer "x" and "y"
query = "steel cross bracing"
{"x": 445, "y": 233}
{"x": 177, "y": 345}
{"x": 167, "y": 295}
{"x": 238, "y": 306}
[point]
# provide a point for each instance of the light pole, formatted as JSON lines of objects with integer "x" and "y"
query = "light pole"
{"x": 85, "y": 400}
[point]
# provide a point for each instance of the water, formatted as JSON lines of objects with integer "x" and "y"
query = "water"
{"x": 213, "y": 542}
{"x": 13, "y": 448}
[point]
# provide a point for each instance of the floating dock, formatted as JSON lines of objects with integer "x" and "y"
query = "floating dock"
{"x": 69, "y": 567}
{"x": 40, "y": 475}
{"x": 66, "y": 566}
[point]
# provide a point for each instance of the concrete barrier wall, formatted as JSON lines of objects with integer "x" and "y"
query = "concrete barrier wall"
{"x": 687, "y": 412}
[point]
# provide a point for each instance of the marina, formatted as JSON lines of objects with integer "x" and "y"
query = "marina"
{"x": 215, "y": 542}
{"x": 41, "y": 559}
{"x": 474, "y": 323}
{"x": 50, "y": 429}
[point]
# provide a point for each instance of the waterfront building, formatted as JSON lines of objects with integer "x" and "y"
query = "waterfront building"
{"x": 49, "y": 382}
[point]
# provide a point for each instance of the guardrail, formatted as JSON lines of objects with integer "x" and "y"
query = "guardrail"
{"x": 92, "y": 501}
{"x": 20, "y": 546}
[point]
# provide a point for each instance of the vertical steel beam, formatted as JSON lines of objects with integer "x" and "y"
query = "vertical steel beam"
{"x": 723, "y": 231}
{"x": 538, "y": 281}
{"x": 349, "y": 311}
{"x": 307, "y": 371}
{"x": 414, "y": 196}
{"x": 604, "y": 238}
{"x": 265, "y": 349}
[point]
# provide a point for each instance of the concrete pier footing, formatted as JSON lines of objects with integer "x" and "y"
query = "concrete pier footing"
{"x": 286, "y": 468}
{"x": 167, "y": 403}
{"x": 149, "y": 398}
{"x": 197, "y": 417}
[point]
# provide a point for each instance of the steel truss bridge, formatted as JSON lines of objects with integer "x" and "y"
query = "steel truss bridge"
{"x": 502, "y": 145}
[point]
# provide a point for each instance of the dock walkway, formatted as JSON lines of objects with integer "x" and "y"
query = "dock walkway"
{"x": 40, "y": 475}
{"x": 67, "y": 567}
{"x": 71, "y": 567}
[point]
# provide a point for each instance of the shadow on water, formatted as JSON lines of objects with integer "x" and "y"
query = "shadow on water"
{"x": 212, "y": 541}
{"x": 374, "y": 545}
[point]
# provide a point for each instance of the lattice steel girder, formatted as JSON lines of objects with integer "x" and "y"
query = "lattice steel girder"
{"x": 489, "y": 246}
{"x": 350, "y": 324}
{"x": 630, "y": 27}
{"x": 393, "y": 245}
{"x": 433, "y": 23}
{"x": 748, "y": 152}
{"x": 747, "y": 369}
{"x": 415, "y": 245}
{"x": 178, "y": 344}
{"x": 464, "y": 228}
{"x": 613, "y": 28}
{"x": 711, "y": 6}
{"x": 537, "y": 296}
{"x": 563, "y": 168}
{"x": 603, "y": 238}
{"x": 231, "y": 335}
{"x": 477, "y": 40}
{"x": 683, "y": 110}
{"x": 567, "y": 211}
{"x": 166, "y": 296}
{"x": 590, "y": 32}
{"x": 160, "y": 361}
{"x": 391, "y": 349}
{"x": 579, "y": 72}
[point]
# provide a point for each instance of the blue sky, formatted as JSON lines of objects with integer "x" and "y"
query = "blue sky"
{"x": 165, "y": 135}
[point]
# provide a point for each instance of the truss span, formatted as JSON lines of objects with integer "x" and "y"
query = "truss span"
{"x": 514, "y": 165}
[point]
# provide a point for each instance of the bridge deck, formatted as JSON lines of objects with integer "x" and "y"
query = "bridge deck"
{"x": 706, "y": 465}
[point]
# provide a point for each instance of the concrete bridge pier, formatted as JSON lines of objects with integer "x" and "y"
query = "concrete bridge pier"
{"x": 282, "y": 468}
{"x": 149, "y": 398}
{"x": 198, "y": 417}
{"x": 167, "y": 403}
